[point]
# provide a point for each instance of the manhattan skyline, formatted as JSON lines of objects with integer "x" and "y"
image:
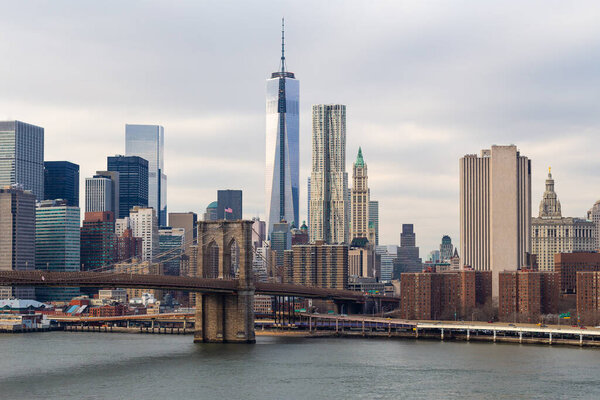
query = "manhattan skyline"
{"x": 423, "y": 85}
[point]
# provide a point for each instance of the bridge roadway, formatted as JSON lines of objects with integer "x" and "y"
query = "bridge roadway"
{"x": 183, "y": 283}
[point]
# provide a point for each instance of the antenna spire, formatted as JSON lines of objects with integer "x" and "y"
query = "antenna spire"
{"x": 282, "y": 45}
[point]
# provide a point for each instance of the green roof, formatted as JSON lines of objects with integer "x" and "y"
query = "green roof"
{"x": 359, "y": 159}
{"x": 212, "y": 205}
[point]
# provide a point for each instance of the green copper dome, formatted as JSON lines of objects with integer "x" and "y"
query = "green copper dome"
{"x": 359, "y": 159}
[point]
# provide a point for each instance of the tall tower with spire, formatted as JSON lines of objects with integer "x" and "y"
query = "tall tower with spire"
{"x": 360, "y": 198}
{"x": 552, "y": 233}
{"x": 282, "y": 167}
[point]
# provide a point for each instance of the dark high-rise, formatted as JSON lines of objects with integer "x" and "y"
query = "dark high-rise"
{"x": 229, "y": 204}
{"x": 98, "y": 241}
{"x": 133, "y": 182}
{"x": 408, "y": 254}
{"x": 61, "y": 181}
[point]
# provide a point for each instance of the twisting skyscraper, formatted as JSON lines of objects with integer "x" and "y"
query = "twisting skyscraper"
{"x": 282, "y": 146}
{"x": 329, "y": 197}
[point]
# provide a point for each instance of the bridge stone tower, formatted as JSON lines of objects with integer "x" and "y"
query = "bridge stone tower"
{"x": 225, "y": 252}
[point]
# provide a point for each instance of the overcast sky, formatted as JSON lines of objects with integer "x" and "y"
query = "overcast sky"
{"x": 424, "y": 82}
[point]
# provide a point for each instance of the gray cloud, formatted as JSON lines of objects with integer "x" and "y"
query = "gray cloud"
{"x": 425, "y": 83}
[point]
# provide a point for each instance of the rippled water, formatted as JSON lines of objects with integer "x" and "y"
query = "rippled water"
{"x": 60, "y": 365}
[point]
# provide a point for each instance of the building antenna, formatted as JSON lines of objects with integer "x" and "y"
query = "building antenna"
{"x": 282, "y": 45}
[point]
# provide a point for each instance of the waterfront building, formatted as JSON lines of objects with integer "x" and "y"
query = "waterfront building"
{"x": 567, "y": 265}
{"x": 61, "y": 181}
{"x": 360, "y": 198}
{"x": 525, "y": 295}
{"x": 374, "y": 220}
{"x": 98, "y": 240}
{"x": 148, "y": 142}
{"x": 408, "y": 253}
{"x": 22, "y": 156}
{"x": 133, "y": 182}
{"x": 446, "y": 248}
{"x": 318, "y": 265}
{"x": 171, "y": 242}
{"x": 17, "y": 238}
{"x": 329, "y": 208}
{"x": 445, "y": 295}
{"x": 495, "y": 210}
{"x": 282, "y": 169}
{"x": 144, "y": 224}
{"x": 141, "y": 268}
{"x": 229, "y": 204}
{"x": 57, "y": 245}
{"x": 211, "y": 212}
{"x": 281, "y": 240}
{"x": 129, "y": 247}
{"x": 552, "y": 233}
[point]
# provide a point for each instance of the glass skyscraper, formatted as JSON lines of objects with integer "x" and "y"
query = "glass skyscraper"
{"x": 61, "y": 181}
{"x": 148, "y": 142}
{"x": 22, "y": 156}
{"x": 133, "y": 182}
{"x": 57, "y": 245}
{"x": 282, "y": 147}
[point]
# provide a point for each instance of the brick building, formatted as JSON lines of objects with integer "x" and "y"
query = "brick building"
{"x": 588, "y": 296}
{"x": 318, "y": 265}
{"x": 445, "y": 295}
{"x": 568, "y": 264}
{"x": 129, "y": 247}
{"x": 526, "y": 294}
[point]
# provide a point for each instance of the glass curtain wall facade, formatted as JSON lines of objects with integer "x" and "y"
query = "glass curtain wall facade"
{"x": 22, "y": 156}
{"x": 133, "y": 182}
{"x": 61, "y": 181}
{"x": 282, "y": 169}
{"x": 148, "y": 142}
{"x": 57, "y": 245}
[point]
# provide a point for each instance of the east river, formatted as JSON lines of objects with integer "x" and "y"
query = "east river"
{"x": 61, "y": 365}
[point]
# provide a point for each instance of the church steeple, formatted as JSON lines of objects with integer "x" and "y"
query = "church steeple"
{"x": 550, "y": 205}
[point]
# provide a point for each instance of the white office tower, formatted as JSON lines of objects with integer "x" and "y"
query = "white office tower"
{"x": 99, "y": 194}
{"x": 144, "y": 224}
{"x": 282, "y": 176}
{"x": 329, "y": 198}
{"x": 495, "y": 211}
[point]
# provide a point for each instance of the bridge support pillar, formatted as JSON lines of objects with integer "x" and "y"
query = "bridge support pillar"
{"x": 494, "y": 335}
{"x": 520, "y": 337}
{"x": 225, "y": 318}
{"x": 550, "y": 338}
{"x": 468, "y": 335}
{"x": 442, "y": 334}
{"x": 581, "y": 340}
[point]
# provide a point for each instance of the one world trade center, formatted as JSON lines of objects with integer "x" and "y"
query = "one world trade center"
{"x": 282, "y": 146}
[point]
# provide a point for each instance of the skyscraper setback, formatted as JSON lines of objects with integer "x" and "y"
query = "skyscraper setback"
{"x": 148, "y": 142}
{"x": 282, "y": 146}
{"x": 329, "y": 208}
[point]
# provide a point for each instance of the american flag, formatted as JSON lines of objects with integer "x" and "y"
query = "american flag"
{"x": 229, "y": 210}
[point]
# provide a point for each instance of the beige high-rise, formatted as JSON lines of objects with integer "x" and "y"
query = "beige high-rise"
{"x": 495, "y": 211}
{"x": 360, "y": 199}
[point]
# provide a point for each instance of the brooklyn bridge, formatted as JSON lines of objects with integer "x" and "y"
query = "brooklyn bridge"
{"x": 225, "y": 300}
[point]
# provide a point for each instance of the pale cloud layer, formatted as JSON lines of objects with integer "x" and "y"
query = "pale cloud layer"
{"x": 424, "y": 82}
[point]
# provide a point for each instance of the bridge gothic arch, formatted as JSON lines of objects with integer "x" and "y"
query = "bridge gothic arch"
{"x": 225, "y": 252}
